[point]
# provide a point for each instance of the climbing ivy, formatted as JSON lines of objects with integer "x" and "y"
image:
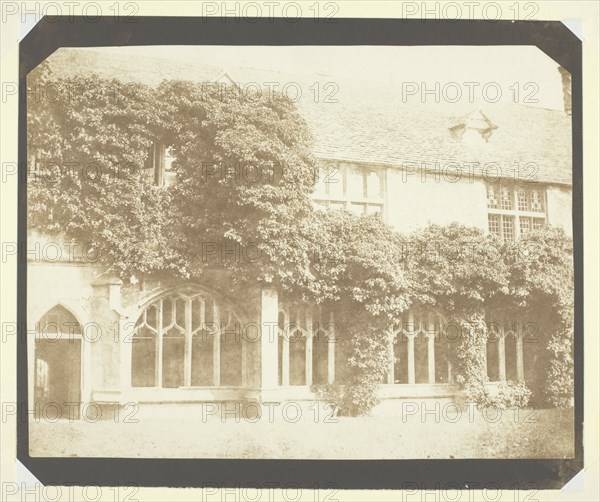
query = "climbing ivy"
{"x": 541, "y": 291}
{"x": 90, "y": 138}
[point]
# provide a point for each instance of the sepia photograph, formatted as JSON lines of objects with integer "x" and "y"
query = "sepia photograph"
{"x": 300, "y": 252}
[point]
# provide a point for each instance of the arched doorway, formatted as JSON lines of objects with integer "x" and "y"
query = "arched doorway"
{"x": 57, "y": 365}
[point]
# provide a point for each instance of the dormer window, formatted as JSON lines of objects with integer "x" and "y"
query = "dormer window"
{"x": 474, "y": 128}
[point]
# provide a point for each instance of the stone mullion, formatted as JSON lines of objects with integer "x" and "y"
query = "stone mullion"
{"x": 285, "y": 350}
{"x": 330, "y": 350}
{"x": 269, "y": 320}
{"x": 159, "y": 343}
{"x": 430, "y": 350}
{"x": 187, "y": 355}
{"x": 501, "y": 355}
{"x": 519, "y": 347}
{"x": 517, "y": 220}
{"x": 244, "y": 350}
{"x": 216, "y": 345}
{"x": 308, "y": 366}
{"x": 202, "y": 331}
{"x": 410, "y": 335}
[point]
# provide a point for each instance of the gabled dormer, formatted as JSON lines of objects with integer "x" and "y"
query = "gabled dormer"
{"x": 474, "y": 128}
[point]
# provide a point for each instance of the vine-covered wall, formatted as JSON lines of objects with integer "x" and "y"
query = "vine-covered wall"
{"x": 91, "y": 144}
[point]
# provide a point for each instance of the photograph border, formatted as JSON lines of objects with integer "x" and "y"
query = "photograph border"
{"x": 552, "y": 37}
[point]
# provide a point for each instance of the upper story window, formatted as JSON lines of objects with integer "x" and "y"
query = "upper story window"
{"x": 34, "y": 168}
{"x": 359, "y": 189}
{"x": 159, "y": 165}
{"x": 514, "y": 210}
{"x": 168, "y": 172}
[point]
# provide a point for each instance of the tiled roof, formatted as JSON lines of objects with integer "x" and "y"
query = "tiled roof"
{"x": 535, "y": 140}
{"x": 110, "y": 64}
{"x": 368, "y": 122}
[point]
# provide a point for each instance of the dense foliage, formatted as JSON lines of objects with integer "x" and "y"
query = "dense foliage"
{"x": 245, "y": 173}
{"x": 541, "y": 291}
{"x": 90, "y": 138}
{"x": 505, "y": 395}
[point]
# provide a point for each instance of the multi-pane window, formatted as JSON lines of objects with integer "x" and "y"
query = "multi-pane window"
{"x": 508, "y": 227}
{"x": 514, "y": 211}
{"x": 357, "y": 189}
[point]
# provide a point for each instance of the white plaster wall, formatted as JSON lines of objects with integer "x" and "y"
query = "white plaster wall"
{"x": 53, "y": 278}
{"x": 414, "y": 203}
{"x": 57, "y": 275}
{"x": 49, "y": 284}
{"x": 560, "y": 208}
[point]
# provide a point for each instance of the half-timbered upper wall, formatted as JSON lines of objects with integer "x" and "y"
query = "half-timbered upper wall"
{"x": 413, "y": 197}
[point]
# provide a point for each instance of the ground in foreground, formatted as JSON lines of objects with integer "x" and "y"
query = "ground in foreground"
{"x": 312, "y": 435}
